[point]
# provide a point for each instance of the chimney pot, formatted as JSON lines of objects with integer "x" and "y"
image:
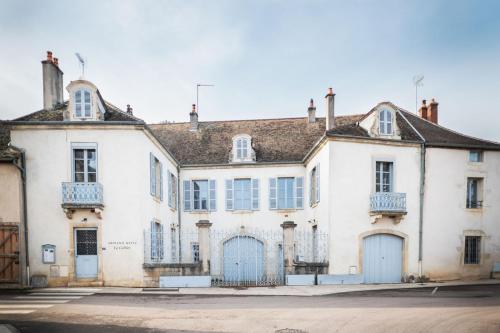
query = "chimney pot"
{"x": 52, "y": 82}
{"x": 433, "y": 111}
{"x": 423, "y": 110}
{"x": 49, "y": 56}
{"x": 129, "y": 110}
{"x": 193, "y": 119}
{"x": 56, "y": 62}
{"x": 311, "y": 112}
{"x": 330, "y": 109}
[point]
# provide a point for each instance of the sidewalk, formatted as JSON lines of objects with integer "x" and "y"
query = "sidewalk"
{"x": 268, "y": 291}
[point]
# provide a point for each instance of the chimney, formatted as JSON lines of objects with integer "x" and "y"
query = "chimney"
{"x": 423, "y": 111}
{"x": 193, "y": 118}
{"x": 311, "y": 112}
{"x": 52, "y": 82}
{"x": 432, "y": 114}
{"x": 129, "y": 110}
{"x": 330, "y": 109}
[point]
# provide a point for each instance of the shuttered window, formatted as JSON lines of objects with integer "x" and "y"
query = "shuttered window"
{"x": 156, "y": 177}
{"x": 314, "y": 188}
{"x": 286, "y": 193}
{"x": 200, "y": 195}
{"x": 242, "y": 194}
{"x": 172, "y": 190}
{"x": 156, "y": 241}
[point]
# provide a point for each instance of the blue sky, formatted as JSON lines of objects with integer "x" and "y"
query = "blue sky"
{"x": 266, "y": 58}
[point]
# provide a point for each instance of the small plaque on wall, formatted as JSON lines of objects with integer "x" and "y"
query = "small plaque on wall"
{"x": 48, "y": 254}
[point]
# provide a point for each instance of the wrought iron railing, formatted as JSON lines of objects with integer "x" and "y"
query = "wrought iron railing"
{"x": 388, "y": 202}
{"x": 84, "y": 194}
{"x": 161, "y": 246}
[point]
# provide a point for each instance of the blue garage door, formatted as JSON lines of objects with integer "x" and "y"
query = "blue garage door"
{"x": 382, "y": 258}
{"x": 243, "y": 260}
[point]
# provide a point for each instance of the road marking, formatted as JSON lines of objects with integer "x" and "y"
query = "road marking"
{"x": 49, "y": 297}
{"x": 16, "y": 311}
{"x": 434, "y": 291}
{"x": 33, "y": 301}
{"x": 29, "y": 306}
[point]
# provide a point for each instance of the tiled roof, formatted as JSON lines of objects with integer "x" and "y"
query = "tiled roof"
{"x": 274, "y": 140}
{"x": 112, "y": 114}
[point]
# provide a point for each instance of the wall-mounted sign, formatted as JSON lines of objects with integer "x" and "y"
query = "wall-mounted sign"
{"x": 48, "y": 254}
{"x": 121, "y": 245}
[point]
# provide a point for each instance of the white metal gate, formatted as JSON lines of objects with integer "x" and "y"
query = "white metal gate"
{"x": 246, "y": 257}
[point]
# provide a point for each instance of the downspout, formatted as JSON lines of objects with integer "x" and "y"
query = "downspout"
{"x": 179, "y": 210}
{"x": 22, "y": 170}
{"x": 421, "y": 209}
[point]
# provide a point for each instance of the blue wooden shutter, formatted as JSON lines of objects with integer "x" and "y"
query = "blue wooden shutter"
{"x": 212, "y": 195}
{"x": 152, "y": 173}
{"x": 229, "y": 194}
{"x": 317, "y": 184}
{"x": 153, "y": 239}
{"x": 311, "y": 190}
{"x": 187, "y": 195}
{"x": 161, "y": 246}
{"x": 272, "y": 194}
{"x": 169, "y": 185}
{"x": 255, "y": 194}
{"x": 161, "y": 181}
{"x": 299, "y": 192}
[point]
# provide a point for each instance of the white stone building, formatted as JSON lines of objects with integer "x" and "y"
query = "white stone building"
{"x": 382, "y": 196}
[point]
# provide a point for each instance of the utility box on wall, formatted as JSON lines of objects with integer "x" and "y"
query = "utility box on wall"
{"x": 48, "y": 254}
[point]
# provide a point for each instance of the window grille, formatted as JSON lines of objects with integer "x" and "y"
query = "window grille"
{"x": 472, "y": 252}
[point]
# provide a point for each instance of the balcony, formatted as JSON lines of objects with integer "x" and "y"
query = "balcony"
{"x": 388, "y": 204}
{"x": 81, "y": 196}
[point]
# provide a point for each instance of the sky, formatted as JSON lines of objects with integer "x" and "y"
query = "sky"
{"x": 266, "y": 59}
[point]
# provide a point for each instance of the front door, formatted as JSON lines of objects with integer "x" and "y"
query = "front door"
{"x": 382, "y": 258}
{"x": 86, "y": 253}
{"x": 243, "y": 260}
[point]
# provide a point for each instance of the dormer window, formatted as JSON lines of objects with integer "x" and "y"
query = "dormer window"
{"x": 385, "y": 122}
{"x": 242, "y": 149}
{"x": 83, "y": 104}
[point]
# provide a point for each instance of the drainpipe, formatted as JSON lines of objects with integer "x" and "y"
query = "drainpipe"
{"x": 179, "y": 210}
{"x": 421, "y": 208}
{"x": 22, "y": 170}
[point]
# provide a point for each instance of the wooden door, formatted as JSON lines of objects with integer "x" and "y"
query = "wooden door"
{"x": 9, "y": 253}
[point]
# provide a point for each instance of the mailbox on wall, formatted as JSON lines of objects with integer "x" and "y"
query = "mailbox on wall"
{"x": 49, "y": 254}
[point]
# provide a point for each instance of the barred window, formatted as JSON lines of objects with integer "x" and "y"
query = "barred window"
{"x": 472, "y": 252}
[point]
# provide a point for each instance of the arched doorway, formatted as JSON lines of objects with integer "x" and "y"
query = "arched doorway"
{"x": 243, "y": 260}
{"x": 382, "y": 258}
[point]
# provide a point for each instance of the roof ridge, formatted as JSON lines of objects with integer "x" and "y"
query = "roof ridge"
{"x": 120, "y": 110}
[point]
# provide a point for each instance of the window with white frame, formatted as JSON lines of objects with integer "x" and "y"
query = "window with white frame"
{"x": 156, "y": 177}
{"x": 242, "y": 149}
{"x": 195, "y": 252}
{"x": 385, "y": 122}
{"x": 286, "y": 193}
{"x": 384, "y": 176}
{"x": 472, "y": 250}
{"x": 314, "y": 188}
{"x": 475, "y": 156}
{"x": 83, "y": 104}
{"x": 474, "y": 192}
{"x": 172, "y": 190}
{"x": 157, "y": 251}
{"x": 84, "y": 165}
{"x": 199, "y": 195}
{"x": 242, "y": 194}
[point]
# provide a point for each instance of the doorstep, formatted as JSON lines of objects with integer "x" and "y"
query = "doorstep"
{"x": 86, "y": 283}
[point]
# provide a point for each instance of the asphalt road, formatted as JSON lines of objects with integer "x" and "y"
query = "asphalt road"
{"x": 447, "y": 309}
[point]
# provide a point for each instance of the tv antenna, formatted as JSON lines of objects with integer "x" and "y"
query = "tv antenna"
{"x": 82, "y": 63}
{"x": 418, "y": 82}
{"x": 198, "y": 85}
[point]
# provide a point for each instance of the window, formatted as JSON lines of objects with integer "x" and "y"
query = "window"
{"x": 199, "y": 195}
{"x": 242, "y": 194}
{"x": 475, "y": 156}
{"x": 156, "y": 240}
{"x": 385, "y": 122}
{"x": 314, "y": 189}
{"x": 82, "y": 104}
{"x": 172, "y": 190}
{"x": 195, "y": 252}
{"x": 474, "y": 192}
{"x": 242, "y": 148}
{"x": 384, "y": 176}
{"x": 286, "y": 193}
{"x": 156, "y": 178}
{"x": 84, "y": 165}
{"x": 472, "y": 251}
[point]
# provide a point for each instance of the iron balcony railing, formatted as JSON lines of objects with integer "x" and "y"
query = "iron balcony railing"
{"x": 82, "y": 194}
{"x": 390, "y": 202}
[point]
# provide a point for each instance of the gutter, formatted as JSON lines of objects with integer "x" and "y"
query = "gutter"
{"x": 178, "y": 199}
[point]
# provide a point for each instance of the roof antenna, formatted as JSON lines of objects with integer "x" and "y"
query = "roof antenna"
{"x": 198, "y": 85}
{"x": 82, "y": 64}
{"x": 418, "y": 82}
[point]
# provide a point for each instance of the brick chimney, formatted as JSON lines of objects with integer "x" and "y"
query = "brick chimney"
{"x": 432, "y": 114}
{"x": 422, "y": 112}
{"x": 311, "y": 112}
{"x": 193, "y": 119}
{"x": 330, "y": 109}
{"x": 52, "y": 82}
{"x": 129, "y": 110}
